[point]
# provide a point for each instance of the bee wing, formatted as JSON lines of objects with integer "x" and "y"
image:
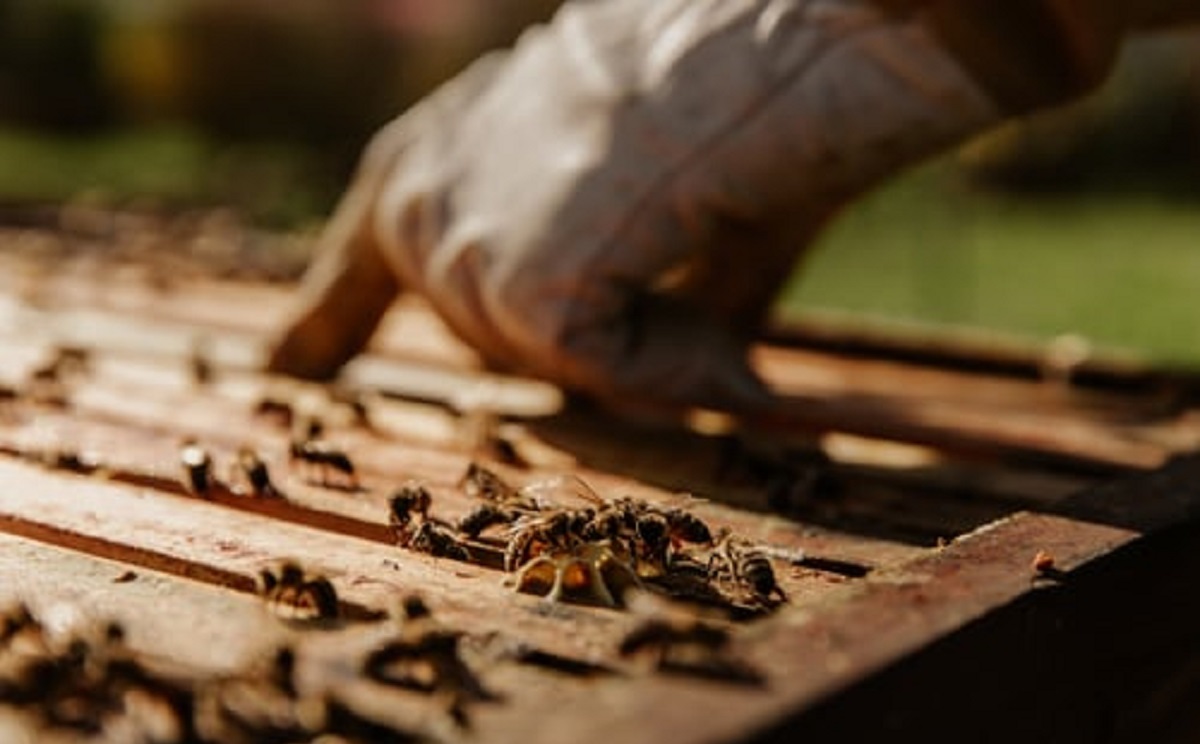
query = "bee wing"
{"x": 794, "y": 556}
{"x": 559, "y": 487}
{"x": 524, "y": 522}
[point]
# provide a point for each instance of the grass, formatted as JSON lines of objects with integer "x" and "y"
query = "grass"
{"x": 1122, "y": 269}
{"x": 279, "y": 185}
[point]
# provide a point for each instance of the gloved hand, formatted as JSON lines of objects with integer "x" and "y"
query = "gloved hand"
{"x": 614, "y": 204}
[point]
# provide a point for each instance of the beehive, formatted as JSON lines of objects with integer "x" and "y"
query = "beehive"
{"x": 968, "y": 542}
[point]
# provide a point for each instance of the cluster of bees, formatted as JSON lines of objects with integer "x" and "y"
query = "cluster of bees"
{"x": 560, "y": 539}
{"x": 98, "y": 687}
{"x": 92, "y": 685}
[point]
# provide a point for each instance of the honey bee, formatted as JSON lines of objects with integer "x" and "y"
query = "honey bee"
{"x": 661, "y": 634}
{"x": 688, "y": 645}
{"x": 556, "y": 531}
{"x": 648, "y": 533}
{"x": 197, "y": 468}
{"x": 610, "y": 522}
{"x": 48, "y": 383}
{"x": 683, "y": 526}
{"x": 20, "y": 629}
{"x": 84, "y": 463}
{"x": 437, "y": 540}
{"x": 414, "y": 529}
{"x": 502, "y": 449}
{"x": 254, "y": 470}
{"x": 425, "y": 657}
{"x": 409, "y": 499}
{"x": 651, "y": 548}
{"x": 326, "y": 458}
{"x": 64, "y": 362}
{"x": 748, "y": 566}
{"x": 275, "y": 408}
{"x": 260, "y": 703}
{"x": 484, "y": 516}
{"x": 291, "y": 594}
{"x": 481, "y": 483}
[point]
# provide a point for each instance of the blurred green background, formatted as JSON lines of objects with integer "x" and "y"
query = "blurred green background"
{"x": 1083, "y": 220}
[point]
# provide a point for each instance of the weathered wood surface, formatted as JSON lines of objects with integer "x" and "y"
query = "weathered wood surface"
{"x": 933, "y": 487}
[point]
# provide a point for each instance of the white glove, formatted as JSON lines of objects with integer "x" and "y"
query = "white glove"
{"x": 614, "y": 204}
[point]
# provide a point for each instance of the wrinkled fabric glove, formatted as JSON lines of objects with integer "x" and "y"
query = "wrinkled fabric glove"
{"x": 614, "y": 204}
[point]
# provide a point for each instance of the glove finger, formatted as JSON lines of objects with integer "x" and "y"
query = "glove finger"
{"x": 350, "y": 284}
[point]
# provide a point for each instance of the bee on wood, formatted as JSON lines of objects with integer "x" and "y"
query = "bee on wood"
{"x": 414, "y": 529}
{"x": 253, "y": 470}
{"x": 197, "y": 468}
{"x": 650, "y": 534}
{"x": 485, "y": 516}
{"x": 48, "y": 384}
{"x": 64, "y": 362}
{"x": 291, "y": 594}
{"x": 69, "y": 461}
{"x": 748, "y": 566}
{"x": 410, "y": 499}
{"x": 437, "y": 540}
{"x": 261, "y": 703}
{"x": 555, "y": 531}
{"x": 502, "y": 449}
{"x": 683, "y": 526}
{"x": 687, "y": 645}
{"x": 275, "y": 408}
{"x": 481, "y": 483}
{"x": 652, "y": 543}
{"x": 20, "y": 628}
{"x": 326, "y": 458}
{"x": 610, "y": 522}
{"x": 425, "y": 657}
